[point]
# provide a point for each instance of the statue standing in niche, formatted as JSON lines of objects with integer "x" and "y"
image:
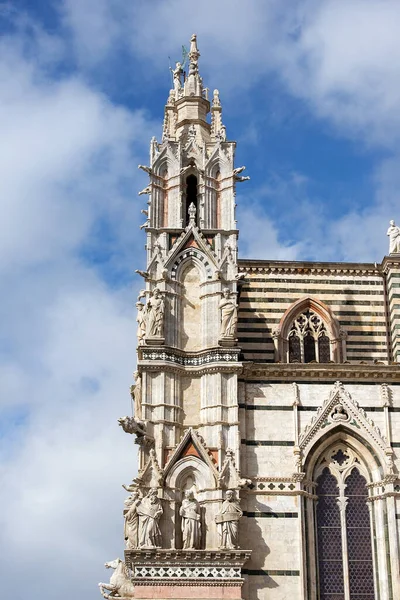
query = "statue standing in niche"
{"x": 228, "y": 521}
{"x": 149, "y": 511}
{"x": 155, "y": 314}
{"x": 394, "y": 238}
{"x": 228, "y": 309}
{"x": 141, "y": 321}
{"x": 136, "y": 394}
{"x": 131, "y": 528}
{"x": 191, "y": 525}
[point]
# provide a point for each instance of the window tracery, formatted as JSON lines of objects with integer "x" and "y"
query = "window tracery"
{"x": 343, "y": 529}
{"x": 308, "y": 339}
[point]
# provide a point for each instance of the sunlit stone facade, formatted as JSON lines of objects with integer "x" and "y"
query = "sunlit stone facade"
{"x": 276, "y": 380}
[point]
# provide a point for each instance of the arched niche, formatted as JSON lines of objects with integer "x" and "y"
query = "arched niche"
{"x": 340, "y": 524}
{"x": 190, "y": 278}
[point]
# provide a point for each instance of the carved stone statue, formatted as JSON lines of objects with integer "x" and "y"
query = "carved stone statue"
{"x": 192, "y": 213}
{"x": 141, "y": 321}
{"x": 176, "y": 74}
{"x": 228, "y": 521}
{"x": 136, "y": 394}
{"x": 228, "y": 309}
{"x": 149, "y": 511}
{"x": 191, "y": 525}
{"x": 130, "y": 425}
{"x": 339, "y": 414}
{"x": 155, "y": 314}
{"x": 120, "y": 585}
{"x": 394, "y": 238}
{"x": 131, "y": 528}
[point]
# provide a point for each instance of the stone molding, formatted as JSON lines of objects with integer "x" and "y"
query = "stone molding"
{"x": 321, "y": 372}
{"x": 300, "y": 267}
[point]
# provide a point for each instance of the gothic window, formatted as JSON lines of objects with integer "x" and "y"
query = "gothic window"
{"x": 308, "y": 339}
{"x": 344, "y": 544}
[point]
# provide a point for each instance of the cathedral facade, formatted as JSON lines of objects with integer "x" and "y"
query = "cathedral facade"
{"x": 267, "y": 397}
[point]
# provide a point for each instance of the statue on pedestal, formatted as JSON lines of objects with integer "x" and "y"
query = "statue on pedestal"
{"x": 131, "y": 528}
{"x": 394, "y": 238}
{"x": 155, "y": 314}
{"x": 136, "y": 395}
{"x": 149, "y": 511}
{"x": 228, "y": 521}
{"x": 141, "y": 321}
{"x": 228, "y": 308}
{"x": 191, "y": 525}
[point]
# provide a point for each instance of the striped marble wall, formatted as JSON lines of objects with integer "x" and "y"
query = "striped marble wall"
{"x": 354, "y": 292}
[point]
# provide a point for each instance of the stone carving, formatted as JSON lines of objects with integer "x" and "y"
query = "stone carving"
{"x": 138, "y": 428}
{"x": 216, "y": 100}
{"x": 120, "y": 585}
{"x": 228, "y": 308}
{"x": 149, "y": 511}
{"x": 146, "y": 190}
{"x": 155, "y": 314}
{"x": 192, "y": 214}
{"x": 394, "y": 238}
{"x": 339, "y": 414}
{"x": 136, "y": 394}
{"x": 141, "y": 321}
{"x": 229, "y": 476}
{"x": 176, "y": 74}
{"x": 131, "y": 527}
{"x": 228, "y": 521}
{"x": 191, "y": 525}
{"x": 238, "y": 170}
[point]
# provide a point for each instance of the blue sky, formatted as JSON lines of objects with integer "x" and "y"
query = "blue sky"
{"x": 310, "y": 90}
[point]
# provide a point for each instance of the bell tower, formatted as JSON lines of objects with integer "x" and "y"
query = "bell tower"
{"x": 182, "y": 518}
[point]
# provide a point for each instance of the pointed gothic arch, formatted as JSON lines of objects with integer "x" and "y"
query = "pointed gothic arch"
{"x": 309, "y": 332}
{"x": 341, "y": 557}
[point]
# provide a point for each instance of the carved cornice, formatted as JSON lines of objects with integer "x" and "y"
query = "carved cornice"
{"x": 162, "y": 558}
{"x": 173, "y": 359}
{"x": 323, "y": 372}
{"x": 308, "y": 267}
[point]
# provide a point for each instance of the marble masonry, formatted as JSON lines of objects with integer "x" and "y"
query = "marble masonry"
{"x": 266, "y": 396}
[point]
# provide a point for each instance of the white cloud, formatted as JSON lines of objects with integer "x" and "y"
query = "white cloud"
{"x": 68, "y": 171}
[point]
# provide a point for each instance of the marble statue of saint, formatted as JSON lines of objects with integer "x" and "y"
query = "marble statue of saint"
{"x": 176, "y": 74}
{"x": 141, "y": 321}
{"x": 136, "y": 394}
{"x": 149, "y": 511}
{"x": 191, "y": 525}
{"x": 131, "y": 528}
{"x": 228, "y": 521}
{"x": 228, "y": 308}
{"x": 192, "y": 213}
{"x": 394, "y": 238}
{"x": 155, "y": 314}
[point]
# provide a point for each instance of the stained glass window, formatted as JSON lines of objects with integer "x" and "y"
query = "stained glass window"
{"x": 359, "y": 538}
{"x": 294, "y": 349}
{"x": 324, "y": 354}
{"x": 329, "y": 539}
{"x": 343, "y": 528}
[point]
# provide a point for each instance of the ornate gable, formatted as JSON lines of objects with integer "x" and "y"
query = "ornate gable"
{"x": 191, "y": 446}
{"x": 341, "y": 410}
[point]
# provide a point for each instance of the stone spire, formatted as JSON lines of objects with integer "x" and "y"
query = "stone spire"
{"x": 187, "y": 106}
